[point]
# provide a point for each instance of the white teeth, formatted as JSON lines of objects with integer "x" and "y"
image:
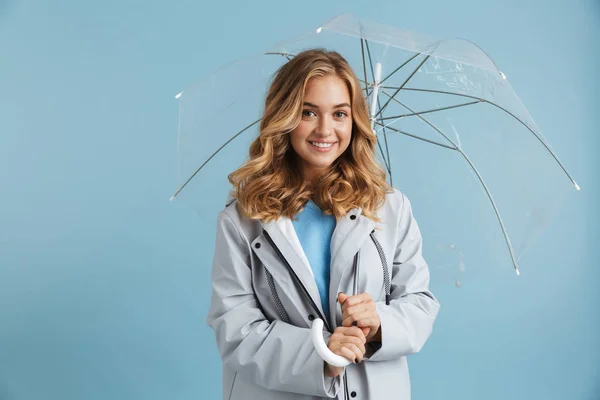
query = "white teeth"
{"x": 322, "y": 145}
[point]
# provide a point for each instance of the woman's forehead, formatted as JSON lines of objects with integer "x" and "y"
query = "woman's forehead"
{"x": 327, "y": 92}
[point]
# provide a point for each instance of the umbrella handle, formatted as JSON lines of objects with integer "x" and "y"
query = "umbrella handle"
{"x": 316, "y": 334}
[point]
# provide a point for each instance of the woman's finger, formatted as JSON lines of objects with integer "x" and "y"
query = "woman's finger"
{"x": 356, "y": 308}
{"x": 362, "y": 319}
{"x": 348, "y": 309}
{"x": 356, "y": 342}
{"x": 358, "y": 313}
{"x": 351, "y": 331}
{"x": 358, "y": 354}
{"x": 357, "y": 299}
{"x": 347, "y": 317}
{"x": 343, "y": 335}
{"x": 348, "y": 353}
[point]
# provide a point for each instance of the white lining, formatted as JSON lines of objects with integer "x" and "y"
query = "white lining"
{"x": 287, "y": 227}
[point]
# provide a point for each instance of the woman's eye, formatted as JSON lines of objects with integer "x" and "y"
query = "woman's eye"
{"x": 340, "y": 114}
{"x": 308, "y": 113}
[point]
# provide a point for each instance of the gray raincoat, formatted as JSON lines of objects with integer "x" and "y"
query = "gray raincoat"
{"x": 264, "y": 297}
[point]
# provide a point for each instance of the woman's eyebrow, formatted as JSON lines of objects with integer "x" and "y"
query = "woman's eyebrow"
{"x": 306, "y": 103}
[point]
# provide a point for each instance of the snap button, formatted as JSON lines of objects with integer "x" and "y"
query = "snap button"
{"x": 353, "y": 394}
{"x": 311, "y": 317}
{"x": 353, "y": 216}
{"x": 257, "y": 245}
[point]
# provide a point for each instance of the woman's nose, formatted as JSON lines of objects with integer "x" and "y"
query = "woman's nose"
{"x": 325, "y": 126}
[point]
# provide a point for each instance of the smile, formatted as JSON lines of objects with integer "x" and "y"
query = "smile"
{"x": 322, "y": 146}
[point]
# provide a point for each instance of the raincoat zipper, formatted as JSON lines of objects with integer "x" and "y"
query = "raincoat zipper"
{"x": 297, "y": 281}
{"x": 386, "y": 274}
{"x": 280, "y": 309}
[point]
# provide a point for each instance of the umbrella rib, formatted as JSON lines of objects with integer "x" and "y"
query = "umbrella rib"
{"x": 433, "y": 110}
{"x": 392, "y": 73}
{"x": 418, "y": 137}
{"x": 212, "y": 155}
{"x": 496, "y": 211}
{"x": 422, "y": 118}
{"x": 403, "y": 84}
{"x": 400, "y": 67}
{"x": 485, "y": 187}
{"x": 537, "y": 136}
{"x": 362, "y": 52}
{"x": 286, "y": 55}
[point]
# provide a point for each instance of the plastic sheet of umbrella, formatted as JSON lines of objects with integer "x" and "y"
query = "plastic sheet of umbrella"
{"x": 452, "y": 135}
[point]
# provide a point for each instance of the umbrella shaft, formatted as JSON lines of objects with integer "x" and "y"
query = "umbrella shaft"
{"x": 375, "y": 93}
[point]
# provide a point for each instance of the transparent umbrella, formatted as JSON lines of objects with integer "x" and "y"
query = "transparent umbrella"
{"x": 452, "y": 134}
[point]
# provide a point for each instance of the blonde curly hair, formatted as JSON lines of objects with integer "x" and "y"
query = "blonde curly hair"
{"x": 270, "y": 185}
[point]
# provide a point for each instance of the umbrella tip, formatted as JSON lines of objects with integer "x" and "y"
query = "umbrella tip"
{"x": 172, "y": 197}
{"x": 178, "y": 95}
{"x": 517, "y": 271}
{"x": 576, "y": 185}
{"x": 502, "y": 75}
{"x": 319, "y": 29}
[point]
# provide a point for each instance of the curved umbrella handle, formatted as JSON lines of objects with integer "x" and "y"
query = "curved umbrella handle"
{"x": 316, "y": 334}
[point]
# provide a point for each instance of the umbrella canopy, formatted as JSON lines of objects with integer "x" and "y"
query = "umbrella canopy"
{"x": 452, "y": 134}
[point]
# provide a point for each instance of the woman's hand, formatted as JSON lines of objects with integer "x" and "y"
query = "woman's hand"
{"x": 360, "y": 311}
{"x": 347, "y": 342}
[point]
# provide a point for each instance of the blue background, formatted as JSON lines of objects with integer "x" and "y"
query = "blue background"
{"x": 104, "y": 283}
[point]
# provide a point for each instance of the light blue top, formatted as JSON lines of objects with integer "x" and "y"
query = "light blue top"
{"x": 314, "y": 229}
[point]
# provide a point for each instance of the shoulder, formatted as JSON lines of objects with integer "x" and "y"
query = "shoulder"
{"x": 231, "y": 215}
{"x": 395, "y": 201}
{"x": 395, "y": 198}
{"x": 397, "y": 209}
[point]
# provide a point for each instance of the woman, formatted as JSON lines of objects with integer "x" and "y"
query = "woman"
{"x": 314, "y": 231}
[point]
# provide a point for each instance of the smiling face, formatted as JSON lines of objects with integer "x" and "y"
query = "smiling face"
{"x": 325, "y": 128}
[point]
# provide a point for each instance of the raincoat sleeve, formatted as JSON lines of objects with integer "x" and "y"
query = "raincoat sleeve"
{"x": 275, "y": 355}
{"x": 407, "y": 321}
